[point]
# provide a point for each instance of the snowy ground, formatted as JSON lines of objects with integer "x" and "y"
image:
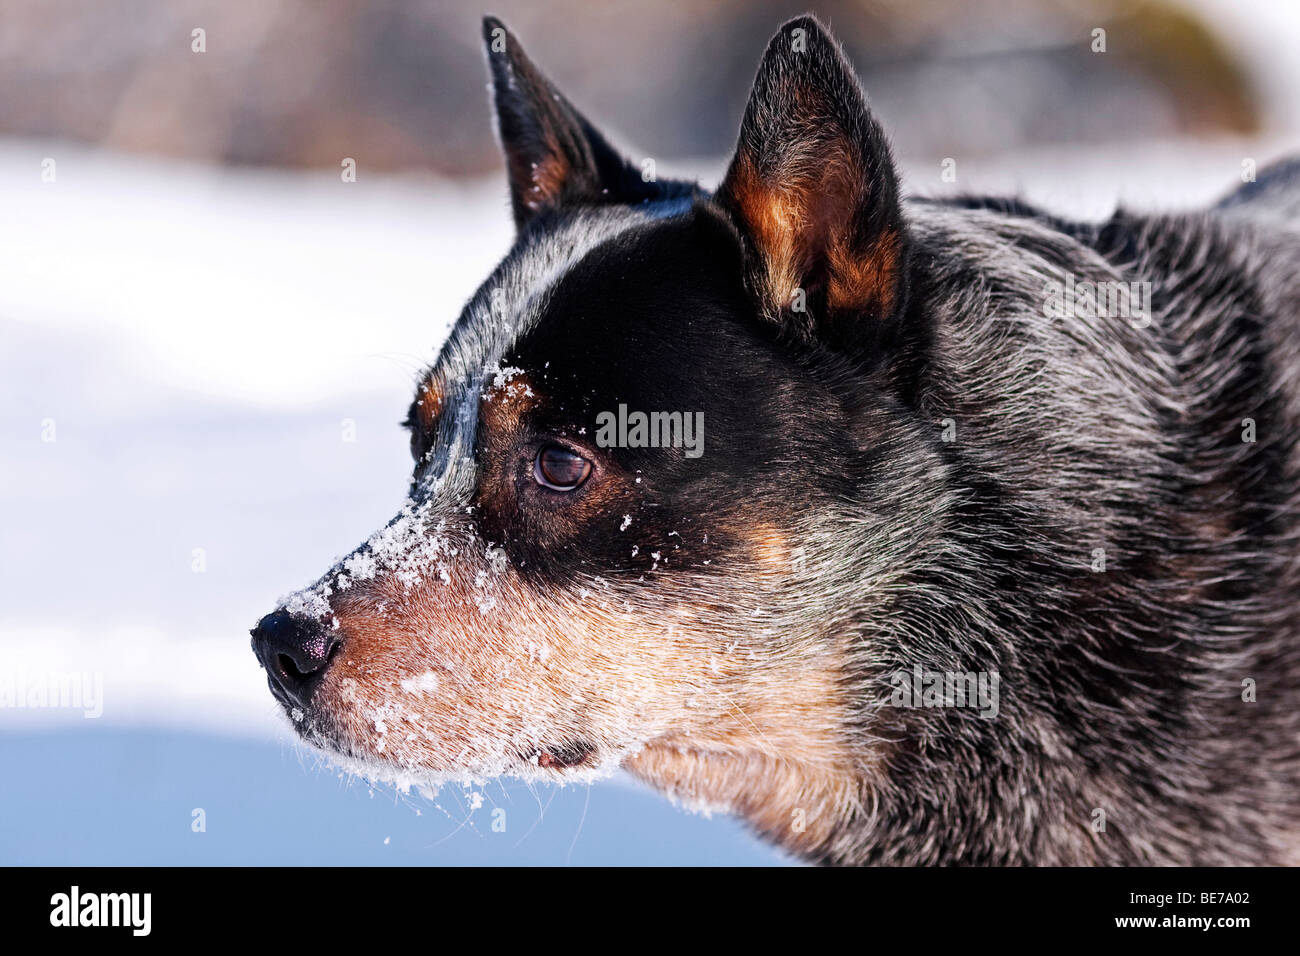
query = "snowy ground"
{"x": 198, "y": 344}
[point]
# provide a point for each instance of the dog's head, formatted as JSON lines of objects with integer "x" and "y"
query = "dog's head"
{"x": 570, "y": 587}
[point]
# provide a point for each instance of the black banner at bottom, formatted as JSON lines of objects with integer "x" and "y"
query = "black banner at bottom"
{"x": 333, "y": 905}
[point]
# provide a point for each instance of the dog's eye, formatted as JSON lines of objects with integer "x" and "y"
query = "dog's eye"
{"x": 560, "y": 469}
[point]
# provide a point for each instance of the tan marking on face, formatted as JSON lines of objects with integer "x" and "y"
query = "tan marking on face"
{"x": 506, "y": 400}
{"x": 772, "y": 549}
{"x": 429, "y": 403}
{"x": 429, "y": 682}
{"x": 468, "y": 667}
{"x": 514, "y": 669}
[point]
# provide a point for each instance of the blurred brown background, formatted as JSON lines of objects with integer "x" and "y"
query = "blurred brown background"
{"x": 400, "y": 84}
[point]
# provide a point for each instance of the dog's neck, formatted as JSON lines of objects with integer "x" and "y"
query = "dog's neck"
{"x": 798, "y": 804}
{"x": 781, "y": 758}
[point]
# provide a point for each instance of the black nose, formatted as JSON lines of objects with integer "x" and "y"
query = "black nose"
{"x": 295, "y": 652}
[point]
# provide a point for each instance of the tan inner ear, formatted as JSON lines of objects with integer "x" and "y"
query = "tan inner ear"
{"x": 774, "y": 219}
{"x": 546, "y": 176}
{"x": 802, "y": 214}
{"x": 864, "y": 281}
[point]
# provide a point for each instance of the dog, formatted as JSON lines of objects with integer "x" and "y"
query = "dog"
{"x": 988, "y": 555}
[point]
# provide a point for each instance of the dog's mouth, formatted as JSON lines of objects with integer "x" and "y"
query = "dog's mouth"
{"x": 318, "y": 730}
{"x": 565, "y": 756}
{"x": 291, "y": 707}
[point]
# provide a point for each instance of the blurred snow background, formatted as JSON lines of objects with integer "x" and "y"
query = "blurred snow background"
{"x": 200, "y": 339}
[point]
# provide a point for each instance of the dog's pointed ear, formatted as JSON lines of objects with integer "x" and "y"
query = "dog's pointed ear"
{"x": 554, "y": 157}
{"x": 813, "y": 190}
